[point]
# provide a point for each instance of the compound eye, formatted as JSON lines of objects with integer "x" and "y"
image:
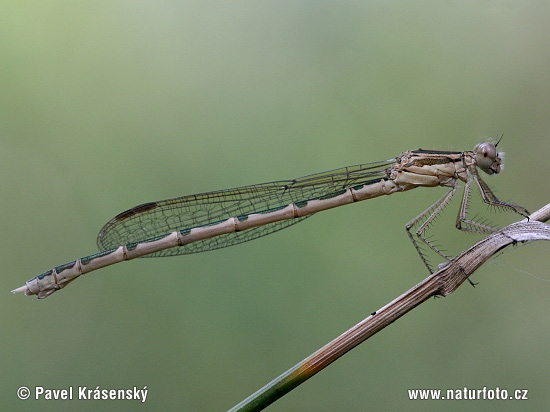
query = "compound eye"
{"x": 487, "y": 158}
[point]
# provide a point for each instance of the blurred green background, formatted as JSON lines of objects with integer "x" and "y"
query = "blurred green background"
{"x": 106, "y": 105}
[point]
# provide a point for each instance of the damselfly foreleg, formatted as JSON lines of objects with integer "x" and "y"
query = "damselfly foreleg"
{"x": 488, "y": 197}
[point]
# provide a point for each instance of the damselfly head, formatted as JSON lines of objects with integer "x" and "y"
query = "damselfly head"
{"x": 488, "y": 158}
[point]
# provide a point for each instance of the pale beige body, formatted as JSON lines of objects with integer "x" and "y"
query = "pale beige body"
{"x": 420, "y": 168}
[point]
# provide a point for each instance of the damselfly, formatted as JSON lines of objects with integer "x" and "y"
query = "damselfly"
{"x": 213, "y": 220}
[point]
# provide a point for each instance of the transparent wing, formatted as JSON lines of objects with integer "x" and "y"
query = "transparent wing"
{"x": 155, "y": 219}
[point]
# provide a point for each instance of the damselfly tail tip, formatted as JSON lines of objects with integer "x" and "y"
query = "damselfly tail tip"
{"x": 22, "y": 289}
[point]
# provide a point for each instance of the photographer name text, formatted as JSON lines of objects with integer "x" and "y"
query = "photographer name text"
{"x": 87, "y": 393}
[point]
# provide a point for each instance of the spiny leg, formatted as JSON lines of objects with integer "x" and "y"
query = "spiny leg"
{"x": 428, "y": 216}
{"x": 468, "y": 225}
{"x": 488, "y": 197}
